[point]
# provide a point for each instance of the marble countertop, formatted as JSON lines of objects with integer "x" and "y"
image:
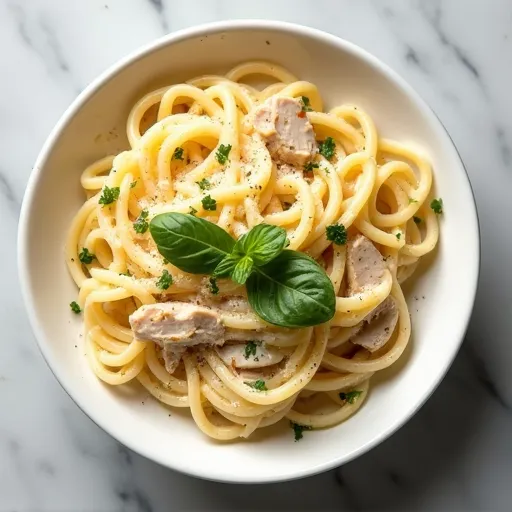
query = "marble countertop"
{"x": 456, "y": 453}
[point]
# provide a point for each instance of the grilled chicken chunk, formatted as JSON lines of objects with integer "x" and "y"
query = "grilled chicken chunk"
{"x": 287, "y": 131}
{"x": 174, "y": 326}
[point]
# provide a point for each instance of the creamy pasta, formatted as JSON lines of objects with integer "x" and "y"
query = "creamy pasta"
{"x": 197, "y": 149}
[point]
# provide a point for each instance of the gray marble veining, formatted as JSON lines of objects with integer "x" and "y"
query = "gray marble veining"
{"x": 456, "y": 453}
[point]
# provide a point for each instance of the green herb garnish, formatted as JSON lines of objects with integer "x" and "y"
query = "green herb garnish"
{"x": 336, "y": 233}
{"x": 292, "y": 290}
{"x": 109, "y": 195}
{"x": 85, "y": 256}
{"x": 298, "y": 430}
{"x": 306, "y": 105}
{"x": 192, "y": 210}
{"x": 133, "y": 184}
{"x": 223, "y": 153}
{"x": 259, "y": 385}
{"x": 214, "y": 287}
{"x": 209, "y": 203}
{"x": 411, "y": 200}
{"x": 204, "y": 184}
{"x": 437, "y": 206}
{"x": 310, "y": 166}
{"x": 262, "y": 243}
{"x": 141, "y": 225}
{"x": 242, "y": 270}
{"x": 165, "y": 280}
{"x": 398, "y": 235}
{"x": 75, "y": 307}
{"x": 250, "y": 349}
{"x": 178, "y": 154}
{"x": 351, "y": 396}
{"x": 327, "y": 147}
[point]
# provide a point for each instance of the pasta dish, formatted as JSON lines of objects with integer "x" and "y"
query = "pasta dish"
{"x": 244, "y": 257}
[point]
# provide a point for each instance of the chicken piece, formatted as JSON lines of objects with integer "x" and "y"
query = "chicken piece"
{"x": 365, "y": 265}
{"x": 236, "y": 355}
{"x": 174, "y": 326}
{"x": 378, "y": 326}
{"x": 287, "y": 131}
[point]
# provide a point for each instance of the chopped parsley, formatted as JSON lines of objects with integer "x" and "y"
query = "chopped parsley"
{"x": 166, "y": 261}
{"x": 326, "y": 148}
{"x": 250, "y": 349}
{"x": 75, "y": 307}
{"x": 165, "y": 280}
{"x": 306, "y": 105}
{"x": 209, "y": 203}
{"x": 204, "y": 184}
{"x": 192, "y": 211}
{"x": 336, "y": 233}
{"x": 223, "y": 153}
{"x": 141, "y": 225}
{"x": 214, "y": 288}
{"x": 310, "y": 166}
{"x": 109, "y": 195}
{"x": 437, "y": 206}
{"x": 133, "y": 184}
{"x": 178, "y": 154}
{"x": 127, "y": 273}
{"x": 85, "y": 256}
{"x": 416, "y": 220}
{"x": 351, "y": 396}
{"x": 298, "y": 429}
{"x": 411, "y": 200}
{"x": 259, "y": 385}
{"x": 398, "y": 236}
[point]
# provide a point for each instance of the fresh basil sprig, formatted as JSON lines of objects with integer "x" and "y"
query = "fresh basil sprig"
{"x": 242, "y": 270}
{"x": 256, "y": 248}
{"x": 262, "y": 243}
{"x": 284, "y": 287}
{"x": 292, "y": 291}
{"x": 192, "y": 244}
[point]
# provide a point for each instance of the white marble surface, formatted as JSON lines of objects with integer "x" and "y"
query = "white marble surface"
{"x": 456, "y": 454}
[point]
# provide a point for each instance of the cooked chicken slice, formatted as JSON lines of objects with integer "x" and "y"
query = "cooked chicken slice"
{"x": 287, "y": 131}
{"x": 177, "y": 322}
{"x": 172, "y": 356}
{"x": 236, "y": 355}
{"x": 365, "y": 265}
{"x": 377, "y": 328}
{"x": 174, "y": 326}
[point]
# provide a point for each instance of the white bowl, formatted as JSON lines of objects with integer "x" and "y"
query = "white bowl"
{"x": 440, "y": 300}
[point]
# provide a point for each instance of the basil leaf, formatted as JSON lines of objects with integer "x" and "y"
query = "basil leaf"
{"x": 262, "y": 243}
{"x": 292, "y": 291}
{"x": 226, "y": 266}
{"x": 242, "y": 270}
{"x": 192, "y": 244}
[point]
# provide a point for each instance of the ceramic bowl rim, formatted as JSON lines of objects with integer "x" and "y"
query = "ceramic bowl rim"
{"x": 37, "y": 174}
